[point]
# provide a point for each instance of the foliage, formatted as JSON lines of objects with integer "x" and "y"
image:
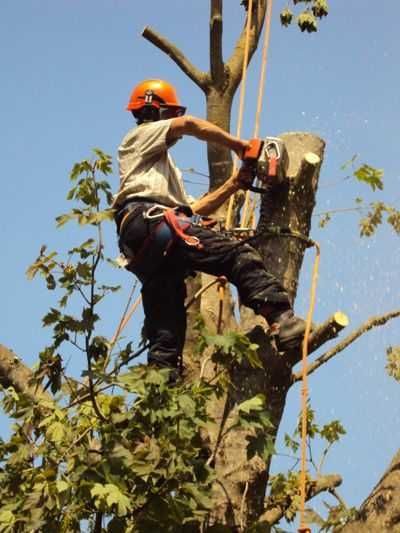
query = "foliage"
{"x": 307, "y": 18}
{"x": 374, "y": 218}
{"x": 373, "y": 214}
{"x": 284, "y": 489}
{"x": 371, "y": 176}
{"x": 122, "y": 447}
{"x": 393, "y": 362}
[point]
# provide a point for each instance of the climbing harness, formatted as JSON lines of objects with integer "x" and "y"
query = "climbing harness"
{"x": 171, "y": 224}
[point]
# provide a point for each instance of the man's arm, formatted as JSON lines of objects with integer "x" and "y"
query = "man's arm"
{"x": 209, "y": 203}
{"x": 205, "y": 131}
{"x": 209, "y": 132}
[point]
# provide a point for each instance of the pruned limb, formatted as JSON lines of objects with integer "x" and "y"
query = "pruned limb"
{"x": 13, "y": 373}
{"x": 199, "y": 77}
{"x": 369, "y": 324}
{"x": 328, "y": 330}
{"x": 235, "y": 62}
{"x": 216, "y": 58}
{"x": 307, "y": 170}
{"x": 274, "y": 513}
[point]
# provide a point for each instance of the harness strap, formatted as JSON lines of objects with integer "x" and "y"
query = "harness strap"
{"x": 175, "y": 224}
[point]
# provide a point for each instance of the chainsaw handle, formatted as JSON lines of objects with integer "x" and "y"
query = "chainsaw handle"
{"x": 260, "y": 190}
{"x": 253, "y": 152}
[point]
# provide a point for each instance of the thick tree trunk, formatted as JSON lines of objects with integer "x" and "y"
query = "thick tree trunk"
{"x": 291, "y": 206}
{"x": 219, "y": 159}
{"x": 239, "y": 494}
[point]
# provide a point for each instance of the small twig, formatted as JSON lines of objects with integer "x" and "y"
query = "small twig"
{"x": 203, "y": 365}
{"x": 310, "y": 453}
{"x": 335, "y": 493}
{"x": 120, "y": 326}
{"x": 98, "y": 523}
{"x": 323, "y": 457}
{"x": 77, "y": 286}
{"x": 68, "y": 381}
{"x": 220, "y": 433}
{"x": 76, "y": 441}
{"x": 95, "y": 263}
{"x": 242, "y": 504}
{"x": 76, "y": 345}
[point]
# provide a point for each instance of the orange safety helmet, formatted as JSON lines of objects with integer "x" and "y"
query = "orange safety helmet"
{"x": 157, "y": 95}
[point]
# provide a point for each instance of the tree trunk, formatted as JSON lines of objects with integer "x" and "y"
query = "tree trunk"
{"x": 219, "y": 107}
{"x": 239, "y": 494}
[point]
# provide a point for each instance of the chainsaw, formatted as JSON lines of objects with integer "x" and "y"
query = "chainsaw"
{"x": 268, "y": 160}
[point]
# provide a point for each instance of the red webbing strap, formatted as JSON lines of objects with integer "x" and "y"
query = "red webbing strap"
{"x": 178, "y": 228}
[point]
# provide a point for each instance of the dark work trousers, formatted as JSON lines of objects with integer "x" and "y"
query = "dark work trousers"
{"x": 163, "y": 280}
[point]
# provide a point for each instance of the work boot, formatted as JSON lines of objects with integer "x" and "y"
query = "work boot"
{"x": 291, "y": 329}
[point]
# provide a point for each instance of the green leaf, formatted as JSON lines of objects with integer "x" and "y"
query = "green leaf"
{"x": 52, "y": 317}
{"x": 333, "y": 431}
{"x": 307, "y": 22}
{"x": 320, "y": 8}
{"x": 62, "y": 485}
{"x": 55, "y": 432}
{"x": 393, "y": 362}
{"x": 7, "y": 518}
{"x": 257, "y": 403}
{"x": 261, "y": 445}
{"x": 324, "y": 220}
{"x": 110, "y": 495}
{"x": 371, "y": 176}
{"x": 286, "y": 17}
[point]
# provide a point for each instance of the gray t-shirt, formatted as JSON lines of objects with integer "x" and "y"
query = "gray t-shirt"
{"x": 146, "y": 168}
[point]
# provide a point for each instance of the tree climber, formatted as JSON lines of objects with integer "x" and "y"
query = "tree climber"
{"x": 163, "y": 242}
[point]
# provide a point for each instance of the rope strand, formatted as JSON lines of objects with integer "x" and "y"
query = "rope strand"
{"x": 229, "y": 214}
{"x": 305, "y": 392}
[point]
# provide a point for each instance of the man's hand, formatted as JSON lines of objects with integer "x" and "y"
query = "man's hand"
{"x": 243, "y": 177}
{"x": 241, "y": 148}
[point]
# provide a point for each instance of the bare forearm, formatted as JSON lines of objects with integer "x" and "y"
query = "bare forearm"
{"x": 209, "y": 203}
{"x": 206, "y": 131}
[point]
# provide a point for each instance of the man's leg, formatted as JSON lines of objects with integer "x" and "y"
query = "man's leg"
{"x": 165, "y": 316}
{"x": 243, "y": 266}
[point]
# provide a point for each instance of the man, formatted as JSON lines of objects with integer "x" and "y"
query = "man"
{"x": 163, "y": 245}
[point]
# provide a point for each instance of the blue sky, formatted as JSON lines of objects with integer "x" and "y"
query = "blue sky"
{"x": 67, "y": 71}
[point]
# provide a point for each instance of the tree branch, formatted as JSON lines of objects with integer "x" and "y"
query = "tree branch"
{"x": 235, "y": 62}
{"x": 13, "y": 373}
{"x": 369, "y": 324}
{"x": 200, "y": 78}
{"x": 216, "y": 58}
{"x": 328, "y": 330}
{"x": 274, "y": 513}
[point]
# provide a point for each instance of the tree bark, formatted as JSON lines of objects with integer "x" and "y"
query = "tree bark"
{"x": 14, "y": 373}
{"x": 381, "y": 510}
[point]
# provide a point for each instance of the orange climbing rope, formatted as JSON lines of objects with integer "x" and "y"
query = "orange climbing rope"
{"x": 222, "y": 281}
{"x": 304, "y": 391}
{"x": 246, "y": 219}
{"x": 229, "y": 214}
